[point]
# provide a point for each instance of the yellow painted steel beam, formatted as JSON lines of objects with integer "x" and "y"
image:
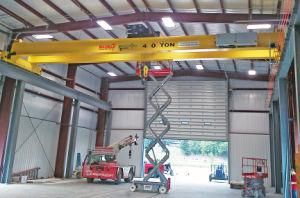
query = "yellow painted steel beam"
{"x": 20, "y": 62}
{"x": 29, "y": 55}
{"x": 128, "y": 45}
{"x": 231, "y": 53}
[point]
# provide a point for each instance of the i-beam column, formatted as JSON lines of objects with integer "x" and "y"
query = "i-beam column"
{"x": 102, "y": 113}
{"x": 10, "y": 147}
{"x": 284, "y": 133}
{"x": 64, "y": 125}
{"x": 72, "y": 141}
{"x": 5, "y": 110}
{"x": 297, "y": 84}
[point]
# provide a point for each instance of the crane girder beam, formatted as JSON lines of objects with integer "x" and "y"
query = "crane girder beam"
{"x": 28, "y": 55}
{"x": 129, "y": 45}
{"x": 254, "y": 53}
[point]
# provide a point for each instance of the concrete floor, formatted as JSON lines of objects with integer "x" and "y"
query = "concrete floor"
{"x": 79, "y": 188}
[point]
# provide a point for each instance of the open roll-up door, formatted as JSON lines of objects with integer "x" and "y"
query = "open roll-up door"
{"x": 199, "y": 110}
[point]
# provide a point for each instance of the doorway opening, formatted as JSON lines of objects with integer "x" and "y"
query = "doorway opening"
{"x": 192, "y": 161}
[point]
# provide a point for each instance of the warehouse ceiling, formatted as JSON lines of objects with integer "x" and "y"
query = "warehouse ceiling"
{"x": 75, "y": 20}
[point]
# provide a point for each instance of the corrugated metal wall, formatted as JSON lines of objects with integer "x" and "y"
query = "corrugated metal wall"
{"x": 3, "y": 39}
{"x": 127, "y": 100}
{"x": 40, "y": 122}
{"x": 249, "y": 125}
{"x": 248, "y": 131}
{"x": 198, "y": 110}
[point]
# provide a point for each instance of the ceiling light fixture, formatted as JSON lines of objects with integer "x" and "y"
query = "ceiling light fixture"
{"x": 157, "y": 67}
{"x": 199, "y": 67}
{"x": 42, "y": 36}
{"x": 168, "y": 22}
{"x": 104, "y": 25}
{"x": 258, "y": 26}
{"x": 111, "y": 74}
{"x": 251, "y": 72}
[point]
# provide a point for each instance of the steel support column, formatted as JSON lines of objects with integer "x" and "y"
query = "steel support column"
{"x": 13, "y": 133}
{"x": 297, "y": 87}
{"x": 108, "y": 128}
{"x": 284, "y": 133}
{"x": 277, "y": 147}
{"x": 5, "y": 110}
{"x": 72, "y": 139}
{"x": 101, "y": 113}
{"x": 64, "y": 125}
{"x": 272, "y": 162}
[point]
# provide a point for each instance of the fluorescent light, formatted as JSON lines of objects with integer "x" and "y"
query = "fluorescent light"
{"x": 111, "y": 74}
{"x": 185, "y": 122}
{"x": 258, "y": 26}
{"x": 104, "y": 25}
{"x": 157, "y": 67}
{"x": 251, "y": 72}
{"x": 168, "y": 21}
{"x": 199, "y": 67}
{"x": 42, "y": 36}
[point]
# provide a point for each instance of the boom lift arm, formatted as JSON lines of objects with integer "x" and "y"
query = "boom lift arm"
{"x": 128, "y": 141}
{"x": 115, "y": 148}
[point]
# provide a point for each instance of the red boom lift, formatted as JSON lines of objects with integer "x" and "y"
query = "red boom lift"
{"x": 101, "y": 163}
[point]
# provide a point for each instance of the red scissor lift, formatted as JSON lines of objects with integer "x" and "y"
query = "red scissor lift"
{"x": 254, "y": 171}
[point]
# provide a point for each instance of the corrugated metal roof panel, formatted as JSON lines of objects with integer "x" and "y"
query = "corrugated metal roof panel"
{"x": 215, "y": 28}
{"x": 95, "y": 7}
{"x": 227, "y": 65}
{"x": 243, "y": 65}
{"x": 210, "y": 64}
{"x": 22, "y": 12}
{"x": 9, "y": 22}
{"x": 100, "y": 33}
{"x": 47, "y": 11}
{"x": 71, "y": 9}
{"x": 79, "y": 34}
{"x": 159, "y": 5}
{"x": 120, "y": 6}
{"x": 184, "y": 6}
{"x": 94, "y": 70}
{"x": 125, "y": 67}
{"x": 236, "y": 6}
{"x": 212, "y": 6}
{"x": 175, "y": 31}
{"x": 237, "y": 28}
{"x": 157, "y": 28}
{"x": 110, "y": 68}
{"x": 194, "y": 28}
{"x": 60, "y": 36}
{"x": 120, "y": 31}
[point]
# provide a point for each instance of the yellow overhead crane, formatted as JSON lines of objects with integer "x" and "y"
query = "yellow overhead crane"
{"x": 30, "y": 55}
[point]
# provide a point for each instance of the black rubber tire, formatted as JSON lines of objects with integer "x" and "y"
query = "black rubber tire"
{"x": 119, "y": 177}
{"x": 90, "y": 180}
{"x": 130, "y": 177}
{"x": 210, "y": 178}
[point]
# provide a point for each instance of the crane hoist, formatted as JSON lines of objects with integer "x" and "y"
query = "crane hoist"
{"x": 101, "y": 163}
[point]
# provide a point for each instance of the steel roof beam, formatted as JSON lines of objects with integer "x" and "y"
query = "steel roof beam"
{"x": 154, "y": 17}
{"x": 208, "y": 74}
